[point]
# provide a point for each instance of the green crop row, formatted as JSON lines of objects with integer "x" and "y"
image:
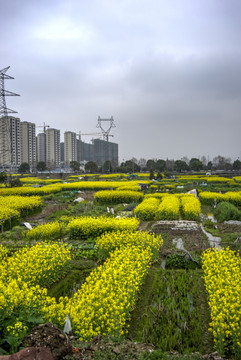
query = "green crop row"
{"x": 171, "y": 319}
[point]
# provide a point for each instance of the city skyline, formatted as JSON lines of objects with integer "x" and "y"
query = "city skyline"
{"x": 19, "y": 144}
{"x": 26, "y": 146}
{"x": 168, "y": 72}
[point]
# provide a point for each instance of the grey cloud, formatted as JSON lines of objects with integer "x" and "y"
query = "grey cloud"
{"x": 169, "y": 72}
{"x": 215, "y": 76}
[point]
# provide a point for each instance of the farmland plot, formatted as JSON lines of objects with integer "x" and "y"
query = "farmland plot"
{"x": 168, "y": 308}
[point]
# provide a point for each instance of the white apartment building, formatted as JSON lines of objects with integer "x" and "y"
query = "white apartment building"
{"x": 10, "y": 144}
{"x": 70, "y": 147}
{"x": 52, "y": 148}
{"x": 28, "y": 143}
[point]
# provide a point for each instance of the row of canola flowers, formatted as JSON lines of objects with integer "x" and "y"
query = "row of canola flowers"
{"x": 122, "y": 176}
{"x": 222, "y": 275}
{"x": 14, "y": 206}
{"x": 166, "y": 207}
{"x": 81, "y": 227}
{"x": 158, "y": 206}
{"x": 40, "y": 187}
{"x": 77, "y": 185}
{"x": 169, "y": 207}
{"x": 101, "y": 306}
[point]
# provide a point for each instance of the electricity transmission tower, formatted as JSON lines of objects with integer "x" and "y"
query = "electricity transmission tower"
{"x": 106, "y": 133}
{"x": 106, "y": 152}
{"x": 5, "y": 138}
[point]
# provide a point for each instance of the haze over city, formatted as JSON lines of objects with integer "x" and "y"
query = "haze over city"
{"x": 169, "y": 72}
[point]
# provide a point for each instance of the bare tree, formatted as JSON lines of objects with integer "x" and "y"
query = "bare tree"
{"x": 185, "y": 159}
{"x": 221, "y": 163}
{"x": 133, "y": 159}
{"x": 204, "y": 160}
{"x": 142, "y": 163}
{"x": 170, "y": 164}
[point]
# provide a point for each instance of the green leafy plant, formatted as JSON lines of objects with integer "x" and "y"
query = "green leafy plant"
{"x": 86, "y": 250}
{"x": 178, "y": 261}
{"x": 226, "y": 211}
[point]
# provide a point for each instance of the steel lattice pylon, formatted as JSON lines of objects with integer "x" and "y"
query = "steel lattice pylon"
{"x": 5, "y": 138}
{"x": 106, "y": 133}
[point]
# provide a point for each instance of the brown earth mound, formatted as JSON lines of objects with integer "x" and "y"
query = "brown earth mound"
{"x": 49, "y": 336}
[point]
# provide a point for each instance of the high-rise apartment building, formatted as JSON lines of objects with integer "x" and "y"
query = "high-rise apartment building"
{"x": 28, "y": 143}
{"x": 70, "y": 147}
{"x": 41, "y": 147}
{"x": 52, "y": 147}
{"x": 18, "y": 144}
{"x": 99, "y": 151}
{"x": 10, "y": 144}
{"x": 62, "y": 152}
{"x": 104, "y": 151}
{"x": 84, "y": 151}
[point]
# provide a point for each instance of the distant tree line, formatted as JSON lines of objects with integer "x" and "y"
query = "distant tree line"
{"x": 182, "y": 165}
{"x": 160, "y": 165}
{"x": 156, "y": 165}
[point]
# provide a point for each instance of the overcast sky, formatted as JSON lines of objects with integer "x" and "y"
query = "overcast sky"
{"x": 169, "y": 72}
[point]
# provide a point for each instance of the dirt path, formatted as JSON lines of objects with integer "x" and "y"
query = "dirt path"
{"x": 41, "y": 218}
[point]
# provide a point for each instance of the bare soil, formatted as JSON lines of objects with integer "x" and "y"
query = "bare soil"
{"x": 61, "y": 345}
{"x": 48, "y": 335}
{"x": 41, "y": 217}
{"x": 67, "y": 347}
{"x": 190, "y": 232}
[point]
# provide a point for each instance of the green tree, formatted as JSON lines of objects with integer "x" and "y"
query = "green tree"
{"x": 180, "y": 166}
{"x": 3, "y": 177}
{"x": 161, "y": 165}
{"x": 15, "y": 182}
{"x": 151, "y": 164}
{"x": 228, "y": 166}
{"x": 130, "y": 166}
{"x": 91, "y": 167}
{"x": 195, "y": 164}
{"x": 75, "y": 166}
{"x": 152, "y": 175}
{"x": 209, "y": 165}
{"x": 41, "y": 166}
{"x": 24, "y": 168}
{"x": 107, "y": 167}
{"x": 237, "y": 165}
